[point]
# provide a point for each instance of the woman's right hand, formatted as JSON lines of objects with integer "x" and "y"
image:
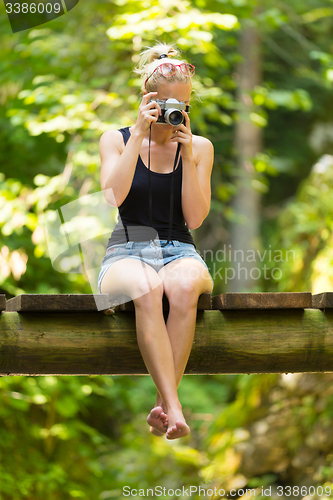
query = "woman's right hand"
{"x": 148, "y": 113}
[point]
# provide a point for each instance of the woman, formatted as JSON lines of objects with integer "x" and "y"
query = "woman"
{"x": 138, "y": 265}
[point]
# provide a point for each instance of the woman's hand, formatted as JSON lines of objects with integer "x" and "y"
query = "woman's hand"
{"x": 182, "y": 134}
{"x": 148, "y": 113}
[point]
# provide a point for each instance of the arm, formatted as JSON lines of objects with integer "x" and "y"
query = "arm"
{"x": 119, "y": 162}
{"x": 196, "y": 191}
{"x": 197, "y": 169}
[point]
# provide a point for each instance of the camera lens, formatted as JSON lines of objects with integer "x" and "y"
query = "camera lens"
{"x": 173, "y": 117}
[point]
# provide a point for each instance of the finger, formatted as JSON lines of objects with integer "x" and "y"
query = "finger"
{"x": 176, "y": 129}
{"x": 181, "y": 129}
{"x": 151, "y": 105}
{"x": 151, "y": 117}
{"x": 179, "y": 132}
{"x": 179, "y": 140}
{"x": 187, "y": 119}
{"x": 155, "y": 105}
{"x": 146, "y": 98}
{"x": 152, "y": 112}
{"x": 179, "y": 137}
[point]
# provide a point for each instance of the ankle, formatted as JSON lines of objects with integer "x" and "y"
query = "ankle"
{"x": 173, "y": 407}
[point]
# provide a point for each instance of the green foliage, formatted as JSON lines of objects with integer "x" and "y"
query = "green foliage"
{"x": 61, "y": 86}
{"x": 279, "y": 427}
{"x": 304, "y": 231}
{"x": 61, "y": 435}
{"x": 64, "y": 84}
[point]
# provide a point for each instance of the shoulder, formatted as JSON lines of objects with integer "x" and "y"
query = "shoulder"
{"x": 201, "y": 141}
{"x": 202, "y": 148}
{"x": 111, "y": 139}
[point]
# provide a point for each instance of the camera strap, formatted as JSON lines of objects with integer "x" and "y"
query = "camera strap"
{"x": 171, "y": 194}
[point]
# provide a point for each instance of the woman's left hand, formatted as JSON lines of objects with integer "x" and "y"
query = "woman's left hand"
{"x": 182, "y": 134}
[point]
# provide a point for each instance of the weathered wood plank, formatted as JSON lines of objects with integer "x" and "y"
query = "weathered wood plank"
{"x": 99, "y": 302}
{"x": 323, "y": 300}
{"x": 80, "y": 302}
{"x": 231, "y": 341}
{"x": 58, "y": 302}
{"x": 265, "y": 300}
{"x": 2, "y": 302}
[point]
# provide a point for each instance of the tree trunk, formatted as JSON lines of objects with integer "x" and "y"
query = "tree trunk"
{"x": 244, "y": 235}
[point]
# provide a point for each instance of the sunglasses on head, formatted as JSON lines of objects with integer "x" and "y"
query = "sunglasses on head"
{"x": 168, "y": 69}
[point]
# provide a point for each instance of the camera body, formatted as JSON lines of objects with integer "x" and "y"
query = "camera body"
{"x": 171, "y": 111}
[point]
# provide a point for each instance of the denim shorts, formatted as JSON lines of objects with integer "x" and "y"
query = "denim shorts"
{"x": 146, "y": 251}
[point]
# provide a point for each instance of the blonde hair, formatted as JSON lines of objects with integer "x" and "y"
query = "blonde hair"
{"x": 149, "y": 60}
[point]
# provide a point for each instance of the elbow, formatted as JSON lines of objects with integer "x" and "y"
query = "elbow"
{"x": 110, "y": 197}
{"x": 194, "y": 224}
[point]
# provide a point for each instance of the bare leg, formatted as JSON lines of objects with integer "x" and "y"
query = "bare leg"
{"x": 156, "y": 350}
{"x": 183, "y": 293}
{"x": 145, "y": 287}
{"x": 181, "y": 329}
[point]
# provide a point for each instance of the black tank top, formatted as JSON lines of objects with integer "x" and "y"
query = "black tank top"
{"x": 134, "y": 211}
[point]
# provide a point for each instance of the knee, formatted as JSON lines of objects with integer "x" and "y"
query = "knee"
{"x": 184, "y": 293}
{"x": 147, "y": 294}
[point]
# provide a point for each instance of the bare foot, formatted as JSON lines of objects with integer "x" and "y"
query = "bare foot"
{"x": 178, "y": 427}
{"x": 158, "y": 420}
{"x": 156, "y": 432}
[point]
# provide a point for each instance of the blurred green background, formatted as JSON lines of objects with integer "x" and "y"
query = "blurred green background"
{"x": 61, "y": 86}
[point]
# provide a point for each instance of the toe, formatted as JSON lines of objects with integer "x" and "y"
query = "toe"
{"x": 156, "y": 412}
{"x": 180, "y": 429}
{"x": 156, "y": 432}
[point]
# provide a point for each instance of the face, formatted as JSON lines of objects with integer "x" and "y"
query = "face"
{"x": 176, "y": 90}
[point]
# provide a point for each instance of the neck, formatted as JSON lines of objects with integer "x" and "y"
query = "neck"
{"x": 160, "y": 134}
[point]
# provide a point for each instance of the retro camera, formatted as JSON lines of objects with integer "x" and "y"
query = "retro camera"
{"x": 171, "y": 111}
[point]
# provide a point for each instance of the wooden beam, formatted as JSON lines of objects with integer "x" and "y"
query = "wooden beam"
{"x": 265, "y": 300}
{"x": 81, "y": 302}
{"x": 99, "y": 302}
{"x": 226, "y": 341}
{"x": 58, "y": 302}
{"x": 323, "y": 300}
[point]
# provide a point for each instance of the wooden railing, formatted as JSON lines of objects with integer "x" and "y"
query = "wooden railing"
{"x": 235, "y": 333}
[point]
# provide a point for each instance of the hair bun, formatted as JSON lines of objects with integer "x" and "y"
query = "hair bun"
{"x": 150, "y": 59}
{"x": 151, "y": 54}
